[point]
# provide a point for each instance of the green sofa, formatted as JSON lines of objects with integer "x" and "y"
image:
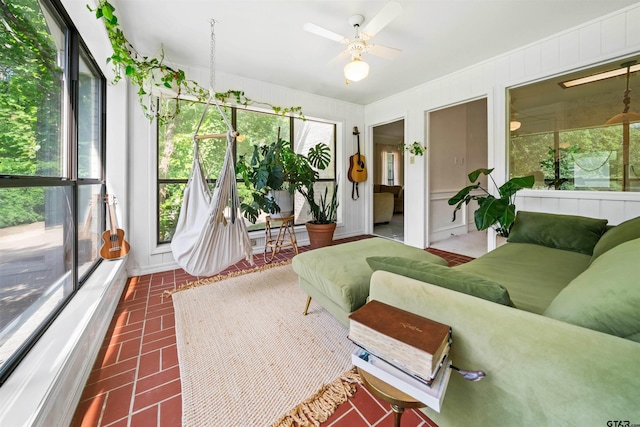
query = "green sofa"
{"x": 337, "y": 277}
{"x": 552, "y": 317}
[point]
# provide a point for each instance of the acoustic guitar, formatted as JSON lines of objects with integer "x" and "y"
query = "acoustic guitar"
{"x": 115, "y": 246}
{"x": 357, "y": 169}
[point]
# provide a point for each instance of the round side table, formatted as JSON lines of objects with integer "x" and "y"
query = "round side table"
{"x": 398, "y": 400}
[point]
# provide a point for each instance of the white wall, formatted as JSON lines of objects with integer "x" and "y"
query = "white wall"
{"x": 146, "y": 255}
{"x": 611, "y": 37}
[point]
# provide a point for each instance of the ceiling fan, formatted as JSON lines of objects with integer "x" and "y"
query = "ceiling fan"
{"x": 357, "y": 69}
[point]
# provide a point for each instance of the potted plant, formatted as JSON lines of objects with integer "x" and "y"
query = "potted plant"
{"x": 274, "y": 169}
{"x": 324, "y": 212}
{"x": 499, "y": 212}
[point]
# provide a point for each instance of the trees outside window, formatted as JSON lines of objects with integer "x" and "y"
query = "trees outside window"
{"x": 175, "y": 152}
{"x": 565, "y": 137}
{"x": 51, "y": 162}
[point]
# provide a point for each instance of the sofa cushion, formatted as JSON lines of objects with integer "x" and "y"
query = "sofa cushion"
{"x": 534, "y": 275}
{"x": 606, "y": 296}
{"x": 341, "y": 272}
{"x": 621, "y": 233}
{"x": 569, "y": 232}
{"x": 442, "y": 276}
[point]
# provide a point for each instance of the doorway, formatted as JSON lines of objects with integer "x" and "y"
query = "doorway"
{"x": 458, "y": 144}
{"x": 387, "y": 169}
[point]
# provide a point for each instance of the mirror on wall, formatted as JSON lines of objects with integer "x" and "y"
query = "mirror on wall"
{"x": 569, "y": 131}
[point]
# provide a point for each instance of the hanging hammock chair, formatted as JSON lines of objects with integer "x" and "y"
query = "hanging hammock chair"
{"x": 211, "y": 233}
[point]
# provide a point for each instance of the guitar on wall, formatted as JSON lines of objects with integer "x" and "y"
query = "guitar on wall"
{"x": 357, "y": 169}
{"x": 115, "y": 246}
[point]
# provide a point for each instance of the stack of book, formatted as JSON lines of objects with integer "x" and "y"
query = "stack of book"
{"x": 407, "y": 351}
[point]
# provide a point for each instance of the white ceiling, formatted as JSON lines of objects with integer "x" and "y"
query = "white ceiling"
{"x": 264, "y": 39}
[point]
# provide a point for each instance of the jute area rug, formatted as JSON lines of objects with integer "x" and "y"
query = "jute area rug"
{"x": 248, "y": 357}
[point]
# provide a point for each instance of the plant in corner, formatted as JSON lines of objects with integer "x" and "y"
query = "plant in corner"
{"x": 324, "y": 213}
{"x": 276, "y": 167}
{"x": 499, "y": 212}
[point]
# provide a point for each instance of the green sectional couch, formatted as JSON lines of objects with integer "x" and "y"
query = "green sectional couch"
{"x": 567, "y": 354}
{"x": 552, "y": 317}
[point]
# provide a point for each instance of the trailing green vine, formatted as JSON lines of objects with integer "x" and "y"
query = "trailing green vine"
{"x": 148, "y": 73}
{"x": 415, "y": 148}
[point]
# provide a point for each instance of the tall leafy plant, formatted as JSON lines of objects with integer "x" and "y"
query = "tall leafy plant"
{"x": 324, "y": 210}
{"x": 276, "y": 166}
{"x": 499, "y": 212}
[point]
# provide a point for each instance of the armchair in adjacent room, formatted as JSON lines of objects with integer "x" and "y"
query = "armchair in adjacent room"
{"x": 398, "y": 195}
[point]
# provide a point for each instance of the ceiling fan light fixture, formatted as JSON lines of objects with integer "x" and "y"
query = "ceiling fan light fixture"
{"x": 623, "y": 118}
{"x": 626, "y": 116}
{"x": 356, "y": 70}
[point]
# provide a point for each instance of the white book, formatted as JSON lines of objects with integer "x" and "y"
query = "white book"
{"x": 432, "y": 396}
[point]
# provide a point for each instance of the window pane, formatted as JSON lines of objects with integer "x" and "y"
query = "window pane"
{"x": 89, "y": 159}
{"x": 175, "y": 141}
{"x": 31, "y": 89}
{"x": 308, "y": 133}
{"x": 169, "y": 202}
{"x": 561, "y": 135}
{"x": 260, "y": 128}
{"x": 35, "y": 261}
{"x": 90, "y": 224}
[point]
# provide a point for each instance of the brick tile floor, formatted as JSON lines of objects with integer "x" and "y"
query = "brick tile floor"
{"x": 135, "y": 380}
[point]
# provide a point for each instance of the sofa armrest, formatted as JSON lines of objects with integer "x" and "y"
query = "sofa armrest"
{"x": 540, "y": 371}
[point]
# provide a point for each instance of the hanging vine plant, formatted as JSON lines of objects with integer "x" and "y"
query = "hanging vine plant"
{"x": 152, "y": 77}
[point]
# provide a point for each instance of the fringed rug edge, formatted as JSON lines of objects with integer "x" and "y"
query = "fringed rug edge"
{"x": 220, "y": 277}
{"x": 319, "y": 407}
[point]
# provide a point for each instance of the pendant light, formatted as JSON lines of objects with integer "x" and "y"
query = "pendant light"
{"x": 625, "y": 117}
{"x": 356, "y": 70}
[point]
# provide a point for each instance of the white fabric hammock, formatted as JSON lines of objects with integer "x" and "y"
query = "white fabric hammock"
{"x": 211, "y": 233}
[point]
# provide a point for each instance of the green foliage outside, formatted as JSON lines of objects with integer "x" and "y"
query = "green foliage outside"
{"x": 175, "y": 151}
{"x": 531, "y": 154}
{"x": 30, "y": 86}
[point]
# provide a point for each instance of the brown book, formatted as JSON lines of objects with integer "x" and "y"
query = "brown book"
{"x": 413, "y": 343}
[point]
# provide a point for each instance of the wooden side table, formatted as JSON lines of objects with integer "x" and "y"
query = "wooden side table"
{"x": 398, "y": 400}
{"x": 272, "y": 246}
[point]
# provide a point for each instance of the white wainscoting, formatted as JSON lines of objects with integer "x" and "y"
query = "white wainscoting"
{"x": 614, "y": 206}
{"x": 441, "y": 225}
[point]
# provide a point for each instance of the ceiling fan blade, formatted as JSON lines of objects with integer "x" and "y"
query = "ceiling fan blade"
{"x": 323, "y": 32}
{"x": 383, "y": 51}
{"x": 339, "y": 58}
{"x": 388, "y": 13}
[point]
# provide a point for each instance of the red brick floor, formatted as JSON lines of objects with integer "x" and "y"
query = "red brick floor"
{"x": 135, "y": 380}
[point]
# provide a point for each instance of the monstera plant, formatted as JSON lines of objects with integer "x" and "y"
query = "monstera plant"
{"x": 277, "y": 167}
{"x": 497, "y": 212}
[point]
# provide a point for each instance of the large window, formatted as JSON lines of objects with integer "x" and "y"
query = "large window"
{"x": 565, "y": 135}
{"x": 51, "y": 162}
{"x": 175, "y": 153}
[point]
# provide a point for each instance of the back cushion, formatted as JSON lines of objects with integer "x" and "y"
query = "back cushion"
{"x": 621, "y": 233}
{"x": 569, "y": 232}
{"x": 606, "y": 296}
{"x": 444, "y": 277}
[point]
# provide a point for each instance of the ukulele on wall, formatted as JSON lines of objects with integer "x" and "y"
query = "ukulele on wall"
{"x": 115, "y": 246}
{"x": 357, "y": 169}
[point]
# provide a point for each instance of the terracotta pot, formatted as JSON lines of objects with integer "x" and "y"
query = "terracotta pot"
{"x": 320, "y": 235}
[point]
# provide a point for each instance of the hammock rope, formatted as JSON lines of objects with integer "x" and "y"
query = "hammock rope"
{"x": 210, "y": 233}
